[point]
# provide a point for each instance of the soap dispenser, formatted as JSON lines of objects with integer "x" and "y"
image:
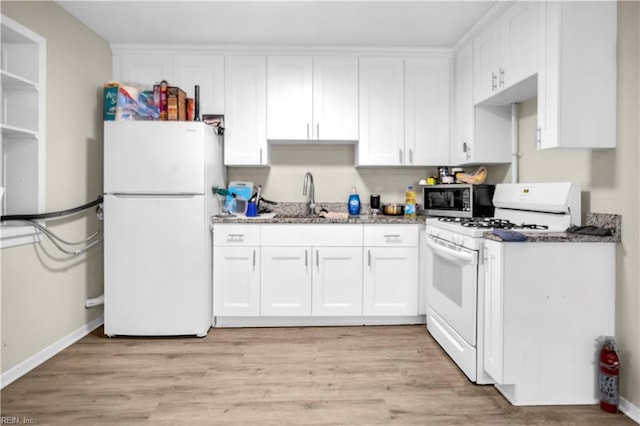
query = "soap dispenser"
{"x": 354, "y": 203}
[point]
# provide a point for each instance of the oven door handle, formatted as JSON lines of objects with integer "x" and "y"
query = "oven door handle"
{"x": 461, "y": 257}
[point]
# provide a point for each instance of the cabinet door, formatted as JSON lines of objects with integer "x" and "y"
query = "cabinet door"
{"x": 577, "y": 94}
{"x": 236, "y": 278}
{"x": 464, "y": 107}
{"x": 426, "y": 111}
{"x": 520, "y": 23}
{"x": 289, "y": 97}
{"x": 206, "y": 71}
{"x": 390, "y": 281}
{"x": 145, "y": 68}
{"x": 245, "y": 136}
{"x": 286, "y": 281}
{"x": 337, "y": 281}
{"x": 488, "y": 64}
{"x": 493, "y": 311}
{"x": 335, "y": 98}
{"x": 381, "y": 112}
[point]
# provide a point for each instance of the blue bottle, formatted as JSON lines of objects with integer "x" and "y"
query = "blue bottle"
{"x": 354, "y": 203}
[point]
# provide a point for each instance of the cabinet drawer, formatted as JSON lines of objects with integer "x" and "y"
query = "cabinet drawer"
{"x": 312, "y": 235}
{"x": 236, "y": 235}
{"x": 391, "y": 235}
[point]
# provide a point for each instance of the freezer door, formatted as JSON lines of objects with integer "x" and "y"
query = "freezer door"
{"x": 155, "y": 157}
{"x": 155, "y": 266}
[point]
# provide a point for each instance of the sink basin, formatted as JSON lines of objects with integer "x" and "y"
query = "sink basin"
{"x": 297, "y": 216}
{"x": 269, "y": 215}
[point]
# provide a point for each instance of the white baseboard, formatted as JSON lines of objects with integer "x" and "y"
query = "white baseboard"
{"x": 32, "y": 362}
{"x": 630, "y": 410}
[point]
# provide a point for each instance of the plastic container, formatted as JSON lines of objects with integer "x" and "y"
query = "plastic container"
{"x": 252, "y": 209}
{"x": 410, "y": 202}
{"x": 354, "y": 203}
{"x": 241, "y": 206}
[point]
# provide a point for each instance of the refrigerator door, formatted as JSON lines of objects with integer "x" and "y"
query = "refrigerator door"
{"x": 155, "y": 157}
{"x": 155, "y": 266}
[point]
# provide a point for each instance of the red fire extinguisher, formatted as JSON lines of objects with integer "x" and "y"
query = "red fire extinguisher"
{"x": 608, "y": 376}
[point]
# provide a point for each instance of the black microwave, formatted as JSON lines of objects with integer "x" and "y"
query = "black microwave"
{"x": 458, "y": 200}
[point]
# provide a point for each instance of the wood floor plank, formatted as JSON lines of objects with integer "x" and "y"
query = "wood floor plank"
{"x": 374, "y": 375}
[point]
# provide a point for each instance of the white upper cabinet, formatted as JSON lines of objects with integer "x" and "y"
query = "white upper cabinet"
{"x": 463, "y": 106}
{"x": 289, "y": 97}
{"x": 482, "y": 133}
{"x": 426, "y": 111}
{"x": 404, "y": 111}
{"x": 206, "y": 71}
{"x": 381, "y": 112}
{"x": 184, "y": 71}
{"x": 522, "y": 42}
{"x": 577, "y": 80}
{"x": 143, "y": 68}
{"x": 245, "y": 136}
{"x": 506, "y": 54}
{"x": 312, "y": 98}
{"x": 335, "y": 98}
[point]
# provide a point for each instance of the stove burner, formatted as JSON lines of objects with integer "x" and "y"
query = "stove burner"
{"x": 490, "y": 223}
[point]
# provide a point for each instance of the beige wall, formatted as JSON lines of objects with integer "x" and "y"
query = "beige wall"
{"x": 43, "y": 291}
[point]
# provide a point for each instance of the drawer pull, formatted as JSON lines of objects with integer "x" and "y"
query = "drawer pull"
{"x": 392, "y": 236}
{"x": 235, "y": 237}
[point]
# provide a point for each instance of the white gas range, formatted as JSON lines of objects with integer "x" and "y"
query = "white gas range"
{"x": 455, "y": 262}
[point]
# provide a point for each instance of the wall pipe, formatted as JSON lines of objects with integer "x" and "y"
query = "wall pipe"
{"x": 96, "y": 301}
{"x": 515, "y": 155}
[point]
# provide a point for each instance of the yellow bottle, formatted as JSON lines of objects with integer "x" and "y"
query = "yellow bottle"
{"x": 410, "y": 202}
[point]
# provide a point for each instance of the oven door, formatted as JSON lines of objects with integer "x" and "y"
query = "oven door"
{"x": 452, "y": 286}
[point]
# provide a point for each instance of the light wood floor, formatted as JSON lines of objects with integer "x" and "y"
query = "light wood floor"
{"x": 271, "y": 376}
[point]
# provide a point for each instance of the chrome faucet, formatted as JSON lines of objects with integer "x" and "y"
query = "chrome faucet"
{"x": 308, "y": 184}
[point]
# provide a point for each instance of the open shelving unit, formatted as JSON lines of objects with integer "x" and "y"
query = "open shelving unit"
{"x": 22, "y": 124}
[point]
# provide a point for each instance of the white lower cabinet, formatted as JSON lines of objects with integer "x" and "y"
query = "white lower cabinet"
{"x": 390, "y": 270}
{"x": 543, "y": 318}
{"x": 286, "y": 281}
{"x": 337, "y": 281}
{"x": 236, "y": 270}
{"x": 311, "y": 270}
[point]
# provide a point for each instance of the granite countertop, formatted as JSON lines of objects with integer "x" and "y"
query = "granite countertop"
{"x": 295, "y": 213}
{"x": 600, "y": 220}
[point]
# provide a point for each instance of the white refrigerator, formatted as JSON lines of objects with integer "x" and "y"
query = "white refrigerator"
{"x": 158, "y": 205}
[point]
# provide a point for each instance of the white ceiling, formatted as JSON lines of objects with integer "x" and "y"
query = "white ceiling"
{"x": 281, "y": 23}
